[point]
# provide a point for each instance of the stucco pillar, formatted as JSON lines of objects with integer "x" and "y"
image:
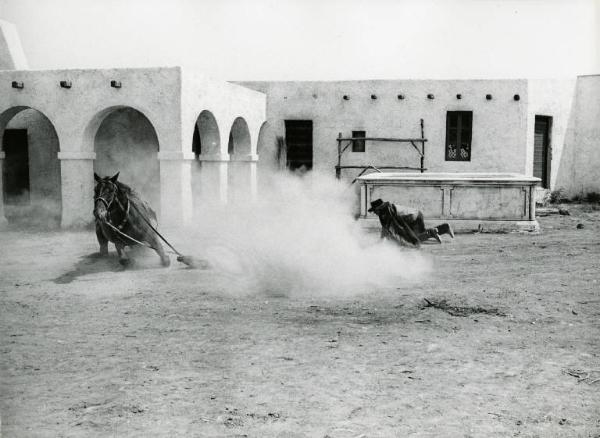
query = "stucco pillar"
{"x": 3, "y": 221}
{"x": 77, "y": 188}
{"x": 175, "y": 187}
{"x": 213, "y": 178}
{"x": 242, "y": 177}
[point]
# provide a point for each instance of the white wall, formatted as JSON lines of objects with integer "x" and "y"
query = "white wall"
{"x": 554, "y": 98}
{"x": 499, "y": 125}
{"x": 226, "y": 101}
{"x": 587, "y": 138}
{"x": 77, "y": 114}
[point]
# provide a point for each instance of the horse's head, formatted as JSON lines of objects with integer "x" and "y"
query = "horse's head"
{"x": 105, "y": 194}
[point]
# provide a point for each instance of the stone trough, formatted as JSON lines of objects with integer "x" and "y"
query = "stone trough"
{"x": 495, "y": 202}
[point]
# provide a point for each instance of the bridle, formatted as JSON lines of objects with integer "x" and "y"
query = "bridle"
{"x": 107, "y": 204}
{"x": 104, "y": 201}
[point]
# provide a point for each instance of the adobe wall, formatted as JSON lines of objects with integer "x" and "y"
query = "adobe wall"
{"x": 587, "y": 138}
{"x": 97, "y": 123}
{"x": 499, "y": 125}
{"x": 554, "y": 98}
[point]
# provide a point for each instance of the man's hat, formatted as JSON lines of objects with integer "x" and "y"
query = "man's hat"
{"x": 376, "y": 205}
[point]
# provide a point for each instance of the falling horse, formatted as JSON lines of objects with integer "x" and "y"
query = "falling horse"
{"x": 123, "y": 218}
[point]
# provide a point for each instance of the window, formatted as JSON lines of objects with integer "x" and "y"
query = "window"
{"x": 358, "y": 145}
{"x": 299, "y": 144}
{"x": 458, "y": 135}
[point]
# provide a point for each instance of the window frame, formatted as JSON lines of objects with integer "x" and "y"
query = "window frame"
{"x": 460, "y": 131}
{"x": 359, "y": 146}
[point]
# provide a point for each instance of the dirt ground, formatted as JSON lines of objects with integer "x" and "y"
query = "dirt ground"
{"x": 90, "y": 349}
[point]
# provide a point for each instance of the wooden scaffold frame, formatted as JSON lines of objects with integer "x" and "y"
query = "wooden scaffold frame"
{"x": 413, "y": 141}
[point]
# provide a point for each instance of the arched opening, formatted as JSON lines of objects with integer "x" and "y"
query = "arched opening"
{"x": 239, "y": 138}
{"x": 205, "y": 141}
{"x": 31, "y": 185}
{"x": 208, "y": 139}
{"x": 126, "y": 142}
{"x": 270, "y": 158}
{"x": 267, "y": 149}
{"x": 241, "y": 170}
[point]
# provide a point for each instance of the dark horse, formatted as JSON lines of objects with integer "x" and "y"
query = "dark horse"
{"x": 118, "y": 211}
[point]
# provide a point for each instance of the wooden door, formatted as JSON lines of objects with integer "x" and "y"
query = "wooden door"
{"x": 542, "y": 155}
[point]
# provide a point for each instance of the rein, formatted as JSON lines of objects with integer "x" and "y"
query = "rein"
{"x": 127, "y": 236}
{"x": 144, "y": 243}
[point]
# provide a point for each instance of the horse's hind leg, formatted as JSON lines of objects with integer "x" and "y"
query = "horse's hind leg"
{"x": 123, "y": 259}
{"x": 164, "y": 258}
{"x": 102, "y": 240}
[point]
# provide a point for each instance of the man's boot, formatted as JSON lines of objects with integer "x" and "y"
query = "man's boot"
{"x": 433, "y": 233}
{"x": 445, "y": 229}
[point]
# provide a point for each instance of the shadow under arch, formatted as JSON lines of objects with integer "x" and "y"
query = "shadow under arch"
{"x": 239, "y": 138}
{"x": 207, "y": 138}
{"x": 31, "y": 178}
{"x": 125, "y": 140}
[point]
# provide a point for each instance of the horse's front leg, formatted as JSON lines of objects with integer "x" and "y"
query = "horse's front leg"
{"x": 123, "y": 259}
{"x": 102, "y": 240}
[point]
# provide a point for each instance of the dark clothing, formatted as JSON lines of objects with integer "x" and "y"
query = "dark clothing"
{"x": 399, "y": 226}
{"x": 406, "y": 225}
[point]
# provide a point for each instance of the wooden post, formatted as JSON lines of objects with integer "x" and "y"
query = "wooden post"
{"x": 338, "y": 170}
{"x": 422, "y": 147}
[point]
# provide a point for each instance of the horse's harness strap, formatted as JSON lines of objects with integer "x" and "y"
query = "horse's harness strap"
{"x": 126, "y": 210}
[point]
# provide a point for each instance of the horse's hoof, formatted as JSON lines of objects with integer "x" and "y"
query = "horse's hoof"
{"x": 166, "y": 261}
{"x": 125, "y": 262}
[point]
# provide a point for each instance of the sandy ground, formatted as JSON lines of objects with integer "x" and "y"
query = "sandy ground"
{"x": 90, "y": 349}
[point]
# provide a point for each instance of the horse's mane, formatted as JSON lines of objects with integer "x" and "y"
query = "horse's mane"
{"x": 142, "y": 206}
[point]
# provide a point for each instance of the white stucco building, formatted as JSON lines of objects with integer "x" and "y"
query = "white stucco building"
{"x": 546, "y": 128}
{"x": 176, "y": 133}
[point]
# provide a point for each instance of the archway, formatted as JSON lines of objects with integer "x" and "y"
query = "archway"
{"x": 125, "y": 141}
{"x": 208, "y": 139}
{"x": 242, "y": 171}
{"x": 31, "y": 185}
{"x": 267, "y": 149}
{"x": 269, "y": 159}
{"x": 239, "y": 138}
{"x": 206, "y": 142}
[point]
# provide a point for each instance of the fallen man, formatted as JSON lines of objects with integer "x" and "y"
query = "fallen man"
{"x": 406, "y": 225}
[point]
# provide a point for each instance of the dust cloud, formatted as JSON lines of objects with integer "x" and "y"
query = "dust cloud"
{"x": 299, "y": 237}
{"x": 32, "y": 211}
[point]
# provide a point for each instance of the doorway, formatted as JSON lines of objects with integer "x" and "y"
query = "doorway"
{"x": 16, "y": 167}
{"x": 299, "y": 141}
{"x": 542, "y": 154}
